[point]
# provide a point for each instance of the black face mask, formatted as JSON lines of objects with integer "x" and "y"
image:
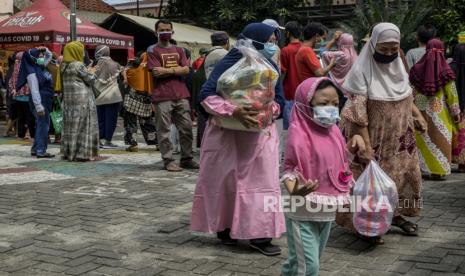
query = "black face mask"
{"x": 385, "y": 59}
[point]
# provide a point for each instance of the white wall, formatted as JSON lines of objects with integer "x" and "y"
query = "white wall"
{"x": 6, "y": 9}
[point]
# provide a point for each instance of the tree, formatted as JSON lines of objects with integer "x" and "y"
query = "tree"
{"x": 449, "y": 18}
{"x": 228, "y": 15}
{"x": 407, "y": 15}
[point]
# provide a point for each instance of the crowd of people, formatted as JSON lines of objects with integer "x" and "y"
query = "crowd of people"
{"x": 334, "y": 111}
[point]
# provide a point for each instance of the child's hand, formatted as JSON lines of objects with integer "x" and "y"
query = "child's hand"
{"x": 356, "y": 144}
{"x": 301, "y": 187}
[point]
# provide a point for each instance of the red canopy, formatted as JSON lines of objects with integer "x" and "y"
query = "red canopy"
{"x": 47, "y": 22}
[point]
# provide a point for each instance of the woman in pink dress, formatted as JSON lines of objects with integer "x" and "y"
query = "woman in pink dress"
{"x": 346, "y": 55}
{"x": 239, "y": 170}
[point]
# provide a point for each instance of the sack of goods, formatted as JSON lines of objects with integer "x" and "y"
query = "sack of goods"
{"x": 249, "y": 83}
{"x": 376, "y": 198}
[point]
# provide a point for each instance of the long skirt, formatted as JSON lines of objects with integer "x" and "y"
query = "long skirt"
{"x": 239, "y": 173}
{"x": 80, "y": 136}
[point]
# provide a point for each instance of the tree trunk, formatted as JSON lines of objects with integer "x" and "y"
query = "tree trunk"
{"x": 160, "y": 9}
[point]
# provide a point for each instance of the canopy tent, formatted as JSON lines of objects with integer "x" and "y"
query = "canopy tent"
{"x": 46, "y": 22}
{"x": 143, "y": 29}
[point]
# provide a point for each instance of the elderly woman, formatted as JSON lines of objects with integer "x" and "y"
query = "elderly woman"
{"x": 239, "y": 169}
{"x": 109, "y": 100}
{"x": 80, "y": 131}
{"x": 33, "y": 73}
{"x": 381, "y": 109}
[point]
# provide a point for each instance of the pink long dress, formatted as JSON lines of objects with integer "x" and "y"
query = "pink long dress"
{"x": 238, "y": 171}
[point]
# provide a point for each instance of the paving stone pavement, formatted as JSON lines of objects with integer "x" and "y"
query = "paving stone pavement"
{"x": 126, "y": 216}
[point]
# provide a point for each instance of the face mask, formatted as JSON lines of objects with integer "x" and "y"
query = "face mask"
{"x": 385, "y": 59}
{"x": 269, "y": 49}
{"x": 40, "y": 61}
{"x": 165, "y": 36}
{"x": 326, "y": 115}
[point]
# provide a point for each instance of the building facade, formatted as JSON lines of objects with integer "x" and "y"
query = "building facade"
{"x": 146, "y": 7}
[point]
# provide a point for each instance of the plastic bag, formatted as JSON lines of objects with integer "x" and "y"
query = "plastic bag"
{"x": 376, "y": 198}
{"x": 249, "y": 83}
{"x": 57, "y": 117}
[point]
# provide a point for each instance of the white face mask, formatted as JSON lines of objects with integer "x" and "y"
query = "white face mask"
{"x": 323, "y": 115}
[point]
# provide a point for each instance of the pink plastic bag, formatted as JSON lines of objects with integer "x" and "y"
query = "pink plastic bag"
{"x": 375, "y": 198}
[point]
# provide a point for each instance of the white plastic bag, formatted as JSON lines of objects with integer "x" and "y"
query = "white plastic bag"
{"x": 376, "y": 198}
{"x": 249, "y": 83}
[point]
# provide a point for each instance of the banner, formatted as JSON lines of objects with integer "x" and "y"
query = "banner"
{"x": 63, "y": 38}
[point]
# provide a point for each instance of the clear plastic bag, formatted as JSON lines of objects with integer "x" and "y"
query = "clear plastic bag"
{"x": 376, "y": 198}
{"x": 249, "y": 83}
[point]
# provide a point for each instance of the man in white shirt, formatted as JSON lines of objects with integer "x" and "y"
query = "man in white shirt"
{"x": 424, "y": 34}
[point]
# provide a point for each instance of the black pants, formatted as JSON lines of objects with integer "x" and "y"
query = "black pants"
{"x": 147, "y": 125}
{"x": 25, "y": 119}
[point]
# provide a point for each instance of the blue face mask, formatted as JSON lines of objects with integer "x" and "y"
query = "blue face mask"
{"x": 326, "y": 115}
{"x": 269, "y": 49}
{"x": 323, "y": 115}
{"x": 40, "y": 61}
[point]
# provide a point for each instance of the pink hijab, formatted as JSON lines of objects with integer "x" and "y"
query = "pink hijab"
{"x": 345, "y": 57}
{"x": 317, "y": 152}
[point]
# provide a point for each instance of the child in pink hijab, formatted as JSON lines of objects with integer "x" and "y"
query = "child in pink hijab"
{"x": 345, "y": 56}
{"x": 317, "y": 168}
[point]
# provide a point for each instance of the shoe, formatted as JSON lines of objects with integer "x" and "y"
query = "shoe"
{"x": 190, "y": 165}
{"x": 266, "y": 249}
{"x": 101, "y": 143}
{"x": 172, "y": 167}
{"x": 225, "y": 237}
{"x": 109, "y": 145}
{"x": 46, "y": 155}
{"x": 133, "y": 148}
{"x": 229, "y": 241}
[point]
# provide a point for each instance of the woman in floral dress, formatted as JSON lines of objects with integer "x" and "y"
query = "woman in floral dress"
{"x": 381, "y": 109}
{"x": 436, "y": 98}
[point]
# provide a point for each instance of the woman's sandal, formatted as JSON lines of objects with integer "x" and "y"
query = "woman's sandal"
{"x": 409, "y": 228}
{"x": 371, "y": 240}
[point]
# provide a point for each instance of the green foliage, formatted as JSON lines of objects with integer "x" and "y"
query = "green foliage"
{"x": 407, "y": 15}
{"x": 227, "y": 15}
{"x": 449, "y": 18}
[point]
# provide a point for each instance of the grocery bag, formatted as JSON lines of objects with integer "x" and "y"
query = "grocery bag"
{"x": 375, "y": 198}
{"x": 57, "y": 117}
{"x": 249, "y": 83}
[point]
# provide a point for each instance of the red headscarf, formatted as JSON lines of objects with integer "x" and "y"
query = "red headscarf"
{"x": 432, "y": 71}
